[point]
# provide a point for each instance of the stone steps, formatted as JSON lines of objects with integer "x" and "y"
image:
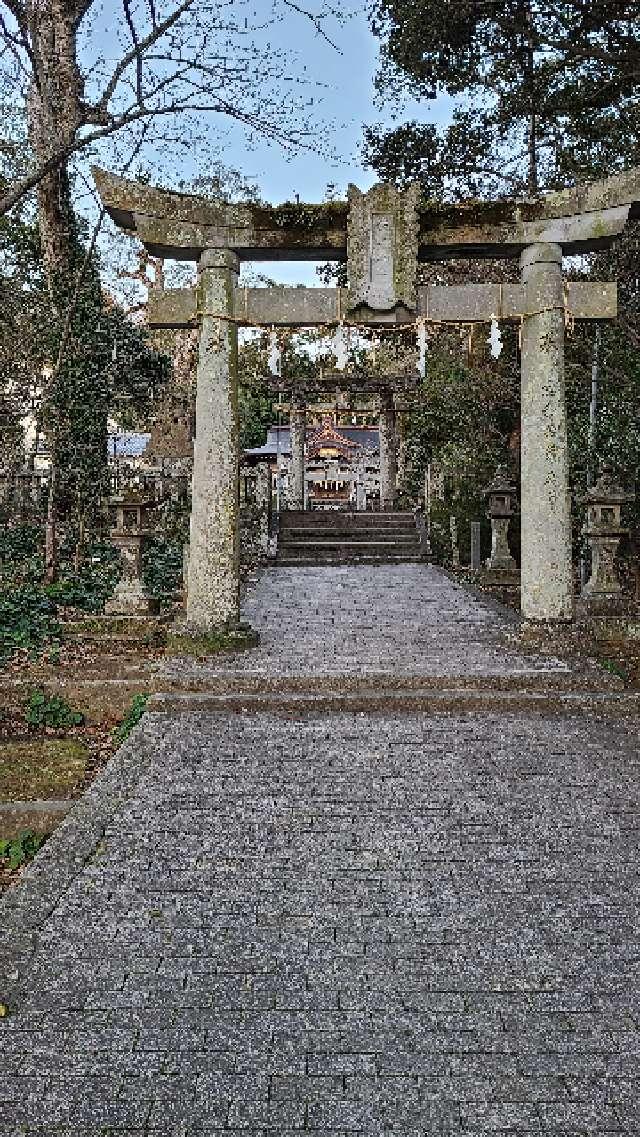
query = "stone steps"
{"x": 551, "y": 680}
{"x": 333, "y": 519}
{"x": 334, "y": 538}
{"x": 366, "y": 544}
{"x": 359, "y": 536}
{"x": 335, "y": 560}
{"x": 452, "y": 698}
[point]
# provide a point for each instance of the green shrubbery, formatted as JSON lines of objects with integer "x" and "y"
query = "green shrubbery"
{"x": 28, "y": 620}
{"x": 29, "y": 609}
{"x": 162, "y": 568}
{"x": 18, "y": 850}
{"x": 43, "y": 710}
{"x": 132, "y": 718}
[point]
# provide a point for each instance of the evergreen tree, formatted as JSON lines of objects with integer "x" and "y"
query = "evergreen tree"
{"x": 547, "y": 91}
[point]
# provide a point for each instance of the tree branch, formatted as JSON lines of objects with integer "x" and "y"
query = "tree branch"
{"x": 131, "y": 56}
{"x": 16, "y": 8}
{"x": 136, "y": 48}
{"x": 315, "y": 20}
{"x": 82, "y": 271}
{"x": 127, "y": 118}
{"x": 13, "y": 44}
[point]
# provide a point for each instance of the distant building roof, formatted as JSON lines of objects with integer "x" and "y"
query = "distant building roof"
{"x": 127, "y": 444}
{"x": 279, "y": 440}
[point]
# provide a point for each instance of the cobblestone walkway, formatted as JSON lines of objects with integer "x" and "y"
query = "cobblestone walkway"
{"x": 346, "y": 924}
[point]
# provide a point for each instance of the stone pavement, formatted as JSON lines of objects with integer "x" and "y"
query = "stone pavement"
{"x": 344, "y": 924}
{"x": 407, "y": 619}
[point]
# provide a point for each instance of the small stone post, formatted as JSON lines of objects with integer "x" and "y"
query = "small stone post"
{"x": 455, "y": 548}
{"x": 501, "y": 494}
{"x": 546, "y": 576}
{"x": 388, "y": 468}
{"x": 361, "y": 485}
{"x": 213, "y": 598}
{"x": 475, "y": 546}
{"x": 297, "y": 428}
{"x": 602, "y": 594}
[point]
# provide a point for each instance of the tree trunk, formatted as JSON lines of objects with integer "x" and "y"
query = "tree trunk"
{"x": 50, "y": 539}
{"x": 532, "y": 121}
{"x": 53, "y": 115}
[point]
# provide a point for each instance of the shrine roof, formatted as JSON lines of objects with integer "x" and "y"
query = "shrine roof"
{"x": 279, "y": 440}
{"x": 328, "y": 435}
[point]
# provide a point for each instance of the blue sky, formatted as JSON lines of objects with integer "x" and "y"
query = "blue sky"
{"x": 345, "y": 100}
{"x": 342, "y": 85}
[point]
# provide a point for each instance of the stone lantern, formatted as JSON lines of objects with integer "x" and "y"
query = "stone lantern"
{"x": 128, "y": 535}
{"x": 502, "y": 495}
{"x": 602, "y": 595}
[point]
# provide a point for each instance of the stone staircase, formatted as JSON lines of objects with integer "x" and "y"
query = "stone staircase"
{"x": 330, "y": 537}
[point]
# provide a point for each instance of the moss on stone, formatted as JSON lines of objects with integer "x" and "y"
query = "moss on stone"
{"x": 211, "y": 643}
{"x": 300, "y": 215}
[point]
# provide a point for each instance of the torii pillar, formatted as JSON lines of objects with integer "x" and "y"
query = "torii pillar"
{"x": 213, "y": 594}
{"x": 297, "y": 431}
{"x": 546, "y": 576}
{"x": 388, "y": 461}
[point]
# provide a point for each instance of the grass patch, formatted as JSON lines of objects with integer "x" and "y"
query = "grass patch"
{"x": 132, "y": 718}
{"x": 211, "y": 643}
{"x": 18, "y": 851}
{"x": 41, "y": 768}
{"x": 615, "y": 668}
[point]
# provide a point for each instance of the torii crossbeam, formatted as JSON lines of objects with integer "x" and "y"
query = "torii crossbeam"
{"x": 383, "y": 235}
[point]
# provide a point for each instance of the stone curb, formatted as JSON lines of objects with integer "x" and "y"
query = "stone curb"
{"x": 297, "y": 705}
{"x": 26, "y": 906}
{"x": 558, "y": 681}
{"x": 39, "y": 805}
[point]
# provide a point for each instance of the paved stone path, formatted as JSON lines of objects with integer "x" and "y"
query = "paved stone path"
{"x": 402, "y": 924}
{"x": 404, "y": 619}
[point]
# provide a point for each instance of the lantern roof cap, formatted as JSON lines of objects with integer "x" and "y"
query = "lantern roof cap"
{"x": 501, "y": 483}
{"x": 607, "y": 490}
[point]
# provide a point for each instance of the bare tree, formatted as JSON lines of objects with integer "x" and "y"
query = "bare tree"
{"x": 195, "y": 56}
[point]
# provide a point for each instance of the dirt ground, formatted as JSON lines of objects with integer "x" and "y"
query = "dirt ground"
{"x": 98, "y": 679}
{"x": 615, "y": 648}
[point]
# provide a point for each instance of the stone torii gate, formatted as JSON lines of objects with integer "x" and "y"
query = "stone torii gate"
{"x": 382, "y": 235}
